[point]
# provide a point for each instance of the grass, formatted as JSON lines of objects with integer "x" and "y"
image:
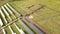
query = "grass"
{"x": 3, "y": 2}
{"x": 49, "y": 19}
{"x": 46, "y": 17}
{"x": 22, "y": 5}
{"x": 7, "y": 30}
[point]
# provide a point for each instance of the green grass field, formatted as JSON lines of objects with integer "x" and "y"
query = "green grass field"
{"x": 46, "y": 17}
{"x": 2, "y": 2}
